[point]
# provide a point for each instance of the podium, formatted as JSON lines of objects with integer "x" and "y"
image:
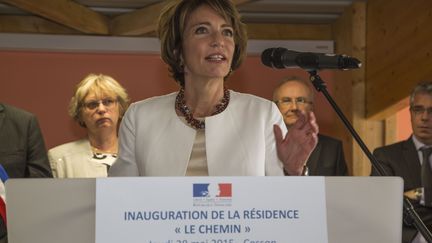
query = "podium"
{"x": 355, "y": 209}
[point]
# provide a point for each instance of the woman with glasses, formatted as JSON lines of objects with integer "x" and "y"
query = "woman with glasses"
{"x": 205, "y": 129}
{"x": 98, "y": 105}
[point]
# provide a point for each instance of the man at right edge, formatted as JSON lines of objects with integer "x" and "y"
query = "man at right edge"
{"x": 411, "y": 160}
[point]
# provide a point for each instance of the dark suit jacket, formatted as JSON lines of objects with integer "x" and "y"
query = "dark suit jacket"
{"x": 401, "y": 159}
{"x": 22, "y": 148}
{"x": 327, "y": 159}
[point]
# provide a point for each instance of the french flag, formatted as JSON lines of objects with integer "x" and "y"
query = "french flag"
{"x": 212, "y": 190}
{"x": 3, "y": 177}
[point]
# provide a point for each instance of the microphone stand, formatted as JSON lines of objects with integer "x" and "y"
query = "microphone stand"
{"x": 409, "y": 211}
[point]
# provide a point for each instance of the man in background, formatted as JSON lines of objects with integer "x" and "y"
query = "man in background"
{"x": 411, "y": 160}
{"x": 22, "y": 148}
{"x": 294, "y": 95}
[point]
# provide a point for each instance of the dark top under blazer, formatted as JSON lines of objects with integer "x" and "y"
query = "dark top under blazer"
{"x": 401, "y": 159}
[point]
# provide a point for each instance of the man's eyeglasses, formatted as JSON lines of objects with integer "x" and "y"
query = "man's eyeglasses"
{"x": 289, "y": 101}
{"x": 419, "y": 110}
{"x": 93, "y": 104}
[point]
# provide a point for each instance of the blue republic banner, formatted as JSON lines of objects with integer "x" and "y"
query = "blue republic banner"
{"x": 211, "y": 210}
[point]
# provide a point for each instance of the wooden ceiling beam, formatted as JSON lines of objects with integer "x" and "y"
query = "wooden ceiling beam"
{"x": 66, "y": 12}
{"x": 143, "y": 21}
{"x": 138, "y": 22}
{"x": 240, "y": 2}
{"x": 32, "y": 24}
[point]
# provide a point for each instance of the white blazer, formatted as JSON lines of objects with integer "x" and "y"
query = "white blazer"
{"x": 73, "y": 160}
{"x": 153, "y": 141}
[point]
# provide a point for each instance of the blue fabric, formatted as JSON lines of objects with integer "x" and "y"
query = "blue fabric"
{"x": 3, "y": 174}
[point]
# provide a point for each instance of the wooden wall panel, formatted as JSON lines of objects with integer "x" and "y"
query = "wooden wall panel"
{"x": 350, "y": 89}
{"x": 289, "y": 31}
{"x": 391, "y": 130}
{"x": 399, "y": 53}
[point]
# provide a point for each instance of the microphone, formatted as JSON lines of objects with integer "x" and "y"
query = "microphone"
{"x": 284, "y": 58}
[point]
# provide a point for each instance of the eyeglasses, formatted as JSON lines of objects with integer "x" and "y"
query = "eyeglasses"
{"x": 419, "y": 110}
{"x": 93, "y": 104}
{"x": 300, "y": 101}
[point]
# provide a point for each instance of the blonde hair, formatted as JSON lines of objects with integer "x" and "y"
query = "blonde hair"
{"x": 100, "y": 84}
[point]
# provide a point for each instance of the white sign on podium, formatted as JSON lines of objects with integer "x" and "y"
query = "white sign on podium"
{"x": 211, "y": 210}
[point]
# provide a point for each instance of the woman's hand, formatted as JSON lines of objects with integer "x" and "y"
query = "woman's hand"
{"x": 298, "y": 144}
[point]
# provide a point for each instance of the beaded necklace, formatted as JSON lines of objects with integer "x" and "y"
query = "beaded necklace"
{"x": 181, "y": 106}
{"x": 99, "y": 152}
